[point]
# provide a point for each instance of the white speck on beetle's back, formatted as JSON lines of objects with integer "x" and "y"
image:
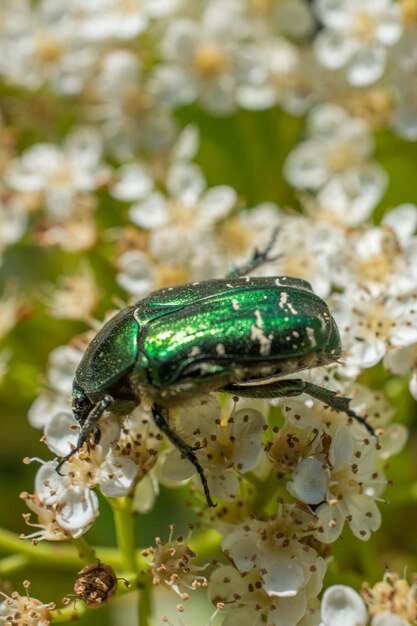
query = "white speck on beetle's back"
{"x": 220, "y": 349}
{"x": 283, "y": 300}
{"x": 265, "y": 341}
{"x": 258, "y": 317}
{"x": 311, "y": 336}
{"x": 235, "y": 304}
{"x": 195, "y": 350}
{"x": 284, "y": 303}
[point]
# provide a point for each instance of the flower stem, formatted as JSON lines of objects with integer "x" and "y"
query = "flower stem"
{"x": 125, "y": 531}
{"x": 13, "y": 563}
{"x": 145, "y": 605}
{"x": 85, "y": 551}
{"x": 56, "y": 554}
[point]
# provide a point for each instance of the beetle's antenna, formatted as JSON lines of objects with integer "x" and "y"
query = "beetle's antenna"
{"x": 87, "y": 427}
{"x": 258, "y": 258}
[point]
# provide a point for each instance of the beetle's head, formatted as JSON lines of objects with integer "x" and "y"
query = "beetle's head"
{"x": 81, "y": 405}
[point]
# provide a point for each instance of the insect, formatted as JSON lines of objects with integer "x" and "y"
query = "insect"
{"x": 239, "y": 335}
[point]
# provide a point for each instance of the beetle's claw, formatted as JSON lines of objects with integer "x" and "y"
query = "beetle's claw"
{"x": 64, "y": 460}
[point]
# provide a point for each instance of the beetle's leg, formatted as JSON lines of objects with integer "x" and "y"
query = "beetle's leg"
{"x": 186, "y": 450}
{"x": 295, "y": 387}
{"x": 87, "y": 428}
{"x": 258, "y": 258}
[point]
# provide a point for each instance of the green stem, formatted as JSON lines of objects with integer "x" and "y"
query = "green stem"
{"x": 125, "y": 531}
{"x": 53, "y": 554}
{"x": 145, "y": 605}
{"x": 85, "y": 552}
{"x": 13, "y": 563}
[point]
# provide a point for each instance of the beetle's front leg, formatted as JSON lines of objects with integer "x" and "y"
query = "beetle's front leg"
{"x": 186, "y": 450}
{"x": 258, "y": 258}
{"x": 87, "y": 428}
{"x": 295, "y": 387}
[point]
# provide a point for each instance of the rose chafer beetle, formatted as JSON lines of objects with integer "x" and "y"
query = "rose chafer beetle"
{"x": 239, "y": 335}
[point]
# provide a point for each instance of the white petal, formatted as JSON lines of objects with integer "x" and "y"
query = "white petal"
{"x": 305, "y": 166}
{"x": 152, "y": 212}
{"x": 133, "y": 183}
{"x": 388, "y": 619}
{"x": 342, "y": 447}
{"x": 343, "y": 606}
{"x": 333, "y": 49}
{"x": 43, "y": 409}
{"x": 389, "y": 28}
{"x": 290, "y": 611}
{"x": 223, "y": 484}
{"x": 145, "y": 494}
{"x": 403, "y": 220}
{"x": 177, "y": 468}
{"x": 333, "y": 13}
{"x": 400, "y": 361}
{"x": 63, "y": 361}
{"x": 217, "y": 202}
{"x": 365, "y": 516}
{"x": 49, "y": 484}
{"x": 284, "y": 577}
{"x": 242, "y": 547}
{"x": 116, "y": 476}
{"x": 186, "y": 182}
{"x": 187, "y": 144}
{"x": 392, "y": 440}
{"x": 413, "y": 385}
{"x": 310, "y": 482}
{"x": 367, "y": 354}
{"x": 61, "y": 433}
{"x": 366, "y": 66}
{"x": 330, "y": 522}
{"x": 135, "y": 273}
{"x": 80, "y": 508}
{"x": 327, "y": 120}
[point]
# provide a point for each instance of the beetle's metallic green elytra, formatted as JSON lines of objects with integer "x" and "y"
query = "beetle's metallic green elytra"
{"x": 184, "y": 341}
{"x": 238, "y": 335}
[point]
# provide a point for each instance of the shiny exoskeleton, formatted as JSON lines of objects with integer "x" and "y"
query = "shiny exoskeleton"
{"x": 238, "y": 335}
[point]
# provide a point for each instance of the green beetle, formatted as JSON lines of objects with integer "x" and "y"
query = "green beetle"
{"x": 238, "y": 335}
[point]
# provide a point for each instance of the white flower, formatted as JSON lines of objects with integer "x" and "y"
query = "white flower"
{"x": 356, "y": 35}
{"x": 136, "y": 273}
{"x": 228, "y": 445}
{"x": 371, "y": 322}
{"x": 75, "y": 506}
{"x": 42, "y": 43}
{"x": 204, "y": 59}
{"x": 60, "y": 175}
{"x": 245, "y": 602}
{"x": 74, "y": 296}
{"x": 62, "y": 363}
{"x": 383, "y": 258}
{"x": 343, "y": 606}
{"x": 352, "y": 482}
{"x": 117, "y": 19}
{"x": 129, "y": 116}
{"x": 282, "y": 576}
{"x": 276, "y": 63}
{"x": 71, "y": 493}
{"x": 335, "y": 160}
